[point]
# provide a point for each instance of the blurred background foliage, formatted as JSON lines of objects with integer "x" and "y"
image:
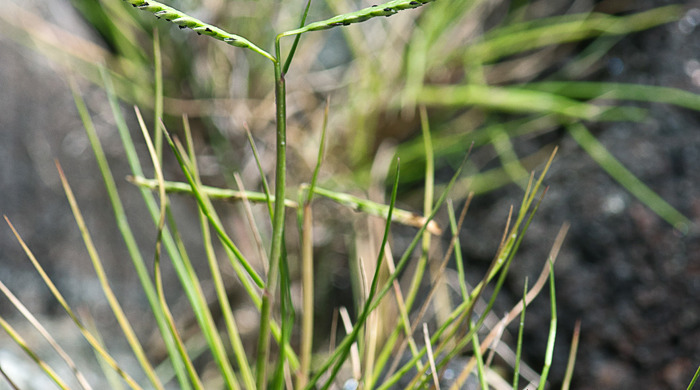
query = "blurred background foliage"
{"x": 481, "y": 67}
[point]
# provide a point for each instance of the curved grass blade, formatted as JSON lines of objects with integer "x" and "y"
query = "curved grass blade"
{"x": 528, "y": 36}
{"x": 627, "y": 179}
{"x": 386, "y": 9}
{"x": 183, "y": 20}
{"x": 621, "y": 91}
{"x": 155, "y": 159}
{"x": 512, "y": 99}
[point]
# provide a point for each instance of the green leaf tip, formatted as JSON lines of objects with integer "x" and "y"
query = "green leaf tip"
{"x": 386, "y": 9}
{"x": 162, "y": 11}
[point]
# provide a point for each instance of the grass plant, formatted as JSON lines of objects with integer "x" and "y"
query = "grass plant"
{"x": 399, "y": 335}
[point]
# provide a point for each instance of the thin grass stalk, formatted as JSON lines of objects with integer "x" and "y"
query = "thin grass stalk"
{"x": 114, "y": 305}
{"x": 566, "y": 383}
{"x": 427, "y": 206}
{"x": 11, "y": 383}
{"x": 389, "y": 346}
{"x": 552, "y": 331}
{"x": 340, "y": 354}
{"x": 155, "y": 159}
{"x": 158, "y": 95}
{"x": 233, "y": 333}
{"x": 479, "y": 360}
{"x": 64, "y": 304}
{"x": 248, "y": 210}
{"x": 431, "y": 357}
{"x": 182, "y": 350}
{"x": 115, "y": 383}
{"x": 459, "y": 260}
{"x": 288, "y": 315}
{"x": 402, "y": 262}
{"x": 307, "y": 261}
{"x": 197, "y": 298}
{"x": 464, "y": 310}
{"x": 229, "y": 246}
{"x": 128, "y": 236}
{"x": 266, "y": 189}
{"x": 519, "y": 345}
{"x": 695, "y": 378}
{"x": 407, "y": 303}
{"x": 278, "y": 217}
{"x": 46, "y": 335}
{"x": 185, "y": 165}
{"x": 216, "y": 193}
{"x": 354, "y": 203}
{"x": 293, "y": 49}
{"x": 25, "y": 347}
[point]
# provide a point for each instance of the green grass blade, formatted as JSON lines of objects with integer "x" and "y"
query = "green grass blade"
{"x": 25, "y": 347}
{"x": 114, "y": 304}
{"x": 156, "y": 160}
{"x": 64, "y": 304}
{"x": 160, "y": 10}
{"x": 211, "y": 192}
{"x": 115, "y": 383}
{"x": 502, "y": 263}
{"x": 479, "y": 360}
{"x": 529, "y": 36}
{"x": 519, "y": 345}
{"x": 128, "y": 236}
{"x": 552, "y": 331}
{"x": 618, "y": 91}
{"x": 293, "y": 49}
{"x": 400, "y": 266}
{"x": 627, "y": 179}
{"x": 344, "y": 349}
{"x": 386, "y": 9}
{"x": 185, "y": 166}
{"x": 158, "y": 95}
{"x": 266, "y": 188}
{"x": 221, "y": 293}
{"x": 45, "y": 334}
{"x": 695, "y": 378}
{"x": 520, "y": 100}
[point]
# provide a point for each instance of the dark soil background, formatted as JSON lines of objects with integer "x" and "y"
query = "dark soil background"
{"x": 632, "y": 280}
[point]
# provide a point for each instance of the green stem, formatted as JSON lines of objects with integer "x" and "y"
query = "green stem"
{"x": 277, "y": 226}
